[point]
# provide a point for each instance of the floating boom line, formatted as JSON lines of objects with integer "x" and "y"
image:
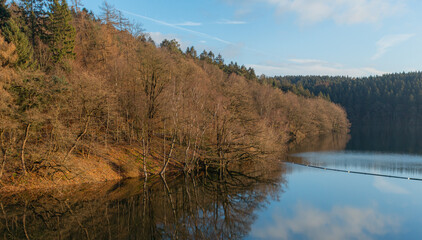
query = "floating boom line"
{"x": 356, "y": 172}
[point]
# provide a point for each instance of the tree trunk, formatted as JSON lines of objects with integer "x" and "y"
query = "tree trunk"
{"x": 164, "y": 142}
{"x": 2, "y": 165}
{"x": 23, "y": 148}
{"x": 78, "y": 138}
{"x": 186, "y": 161}
{"x": 24, "y": 221}
{"x": 166, "y": 160}
{"x": 107, "y": 125}
{"x": 4, "y": 152}
{"x": 172, "y": 204}
{"x": 145, "y": 153}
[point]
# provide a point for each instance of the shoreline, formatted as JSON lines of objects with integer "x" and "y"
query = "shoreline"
{"x": 117, "y": 164}
{"x": 111, "y": 164}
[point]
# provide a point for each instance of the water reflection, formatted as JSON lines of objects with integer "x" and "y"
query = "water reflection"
{"x": 323, "y": 204}
{"x": 401, "y": 165}
{"x": 386, "y": 138}
{"x": 332, "y": 205}
{"x": 268, "y": 200}
{"x": 339, "y": 222}
{"x": 201, "y": 207}
{"x": 374, "y": 149}
{"x": 385, "y": 186}
{"x": 329, "y": 142}
{"x": 379, "y": 138}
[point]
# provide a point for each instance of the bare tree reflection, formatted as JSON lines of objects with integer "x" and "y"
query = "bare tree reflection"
{"x": 328, "y": 142}
{"x": 204, "y": 206}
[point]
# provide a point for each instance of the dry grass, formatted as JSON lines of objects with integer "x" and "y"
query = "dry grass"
{"x": 116, "y": 163}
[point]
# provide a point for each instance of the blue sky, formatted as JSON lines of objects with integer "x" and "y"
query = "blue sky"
{"x": 290, "y": 37}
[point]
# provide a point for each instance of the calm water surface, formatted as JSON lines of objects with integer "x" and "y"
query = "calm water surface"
{"x": 268, "y": 201}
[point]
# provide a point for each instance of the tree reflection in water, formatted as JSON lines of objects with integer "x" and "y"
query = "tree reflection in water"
{"x": 185, "y": 207}
{"x": 339, "y": 152}
{"x": 328, "y": 142}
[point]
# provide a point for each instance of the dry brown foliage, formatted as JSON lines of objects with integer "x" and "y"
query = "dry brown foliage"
{"x": 177, "y": 112}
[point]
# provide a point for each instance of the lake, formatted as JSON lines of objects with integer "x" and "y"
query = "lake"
{"x": 363, "y": 186}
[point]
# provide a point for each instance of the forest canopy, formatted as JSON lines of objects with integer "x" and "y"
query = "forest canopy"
{"x": 392, "y": 99}
{"x": 86, "y": 97}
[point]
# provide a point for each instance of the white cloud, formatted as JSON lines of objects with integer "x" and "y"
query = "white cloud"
{"x": 340, "y": 11}
{"x": 159, "y": 37}
{"x": 233, "y": 50}
{"x": 387, "y": 42}
{"x": 312, "y": 67}
{"x": 338, "y": 223}
{"x": 388, "y": 187}
{"x": 188, "y": 23}
{"x": 230, "y": 22}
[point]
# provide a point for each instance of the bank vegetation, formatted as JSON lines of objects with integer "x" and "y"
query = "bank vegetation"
{"x": 92, "y": 98}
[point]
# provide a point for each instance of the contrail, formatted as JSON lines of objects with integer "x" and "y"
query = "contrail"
{"x": 178, "y": 27}
{"x": 201, "y": 34}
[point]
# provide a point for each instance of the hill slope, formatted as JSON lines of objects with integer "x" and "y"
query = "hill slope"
{"x": 84, "y": 99}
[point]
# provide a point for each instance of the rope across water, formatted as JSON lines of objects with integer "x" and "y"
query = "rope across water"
{"x": 356, "y": 172}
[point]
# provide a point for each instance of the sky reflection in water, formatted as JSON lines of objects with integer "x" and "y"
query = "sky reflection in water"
{"x": 321, "y": 204}
{"x": 368, "y": 162}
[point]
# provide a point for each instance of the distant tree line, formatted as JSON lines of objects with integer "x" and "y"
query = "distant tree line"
{"x": 210, "y": 58}
{"x": 388, "y": 99}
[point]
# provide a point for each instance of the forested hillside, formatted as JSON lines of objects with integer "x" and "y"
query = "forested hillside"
{"x": 90, "y": 98}
{"x": 394, "y": 99}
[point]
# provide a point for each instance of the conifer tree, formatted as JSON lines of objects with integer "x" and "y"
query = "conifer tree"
{"x": 4, "y": 13}
{"x": 203, "y": 55}
{"x": 172, "y": 45}
{"x": 24, "y": 50}
{"x": 191, "y": 52}
{"x": 211, "y": 56}
{"x": 34, "y": 16}
{"x": 219, "y": 61}
{"x": 62, "y": 33}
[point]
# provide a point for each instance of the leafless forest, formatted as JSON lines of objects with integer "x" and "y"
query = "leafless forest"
{"x": 106, "y": 102}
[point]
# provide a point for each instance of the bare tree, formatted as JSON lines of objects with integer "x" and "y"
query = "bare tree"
{"x": 76, "y": 4}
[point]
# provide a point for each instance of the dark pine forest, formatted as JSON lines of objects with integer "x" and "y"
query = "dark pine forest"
{"x": 391, "y": 99}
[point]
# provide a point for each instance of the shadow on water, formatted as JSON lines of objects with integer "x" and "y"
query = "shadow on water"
{"x": 184, "y": 207}
{"x": 370, "y": 149}
{"x": 383, "y": 138}
{"x": 386, "y": 138}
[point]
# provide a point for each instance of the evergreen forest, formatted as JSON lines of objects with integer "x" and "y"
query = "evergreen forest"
{"x": 390, "y": 99}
